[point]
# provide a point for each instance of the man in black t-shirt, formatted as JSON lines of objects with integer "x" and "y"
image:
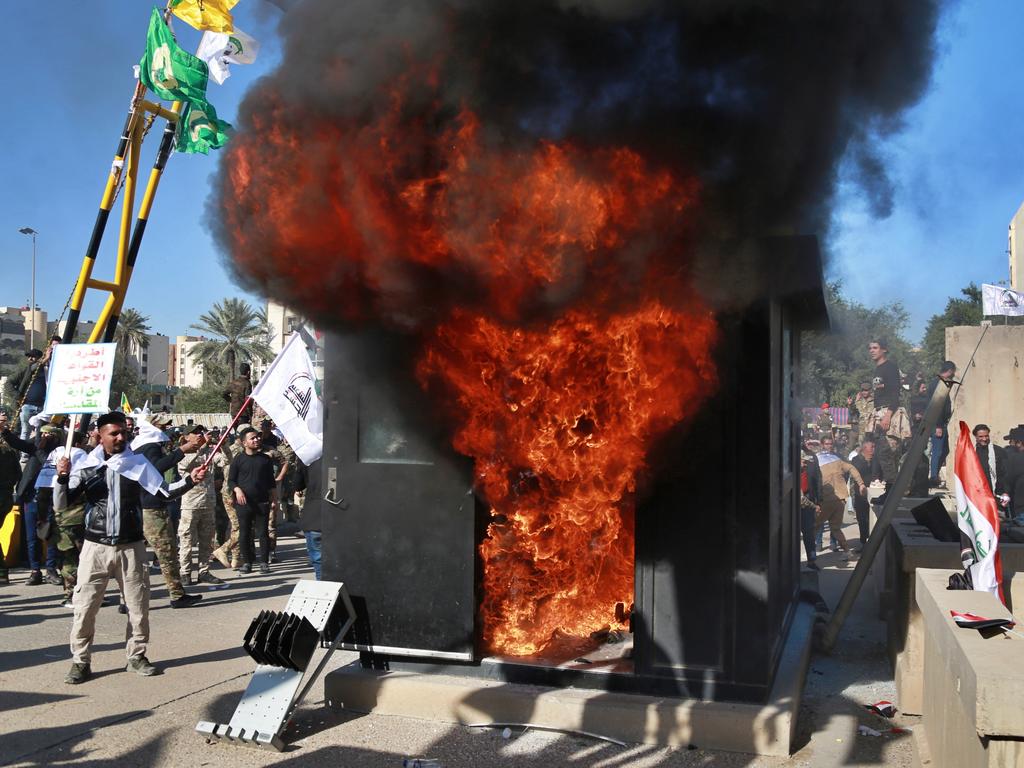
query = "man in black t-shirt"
{"x": 889, "y": 423}
{"x": 253, "y": 485}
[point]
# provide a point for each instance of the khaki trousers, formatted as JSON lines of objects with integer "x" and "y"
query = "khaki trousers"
{"x": 230, "y": 546}
{"x": 198, "y": 528}
{"x": 98, "y": 563}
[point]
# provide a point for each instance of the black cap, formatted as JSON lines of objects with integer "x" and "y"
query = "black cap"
{"x": 1017, "y": 433}
{"x": 34, "y": 353}
{"x": 194, "y": 428}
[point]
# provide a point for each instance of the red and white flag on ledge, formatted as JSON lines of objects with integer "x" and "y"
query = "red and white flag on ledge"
{"x": 977, "y": 516}
{"x": 974, "y": 621}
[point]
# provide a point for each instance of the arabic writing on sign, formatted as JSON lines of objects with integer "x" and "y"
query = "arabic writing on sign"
{"x": 79, "y": 378}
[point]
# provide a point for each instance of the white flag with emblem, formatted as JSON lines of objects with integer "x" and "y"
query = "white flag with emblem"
{"x": 218, "y": 49}
{"x": 287, "y": 392}
{"x": 997, "y": 300}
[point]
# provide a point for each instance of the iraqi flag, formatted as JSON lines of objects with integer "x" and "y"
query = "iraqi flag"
{"x": 977, "y": 516}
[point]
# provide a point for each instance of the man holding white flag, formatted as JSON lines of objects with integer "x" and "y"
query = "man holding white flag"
{"x": 287, "y": 392}
{"x": 977, "y": 517}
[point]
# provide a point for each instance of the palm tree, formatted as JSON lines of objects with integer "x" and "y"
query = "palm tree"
{"x": 239, "y": 331}
{"x": 132, "y": 332}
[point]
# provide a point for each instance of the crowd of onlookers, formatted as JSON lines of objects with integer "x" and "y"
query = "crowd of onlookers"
{"x": 91, "y": 501}
{"x": 839, "y": 465}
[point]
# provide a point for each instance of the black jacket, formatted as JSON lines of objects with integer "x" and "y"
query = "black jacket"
{"x": 984, "y": 458}
{"x": 92, "y": 485}
{"x": 860, "y": 501}
{"x": 37, "y": 451}
{"x": 310, "y": 480}
{"x": 156, "y": 456}
{"x": 1013, "y": 480}
{"x": 31, "y": 387}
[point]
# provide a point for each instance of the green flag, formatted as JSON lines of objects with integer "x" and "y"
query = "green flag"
{"x": 174, "y": 74}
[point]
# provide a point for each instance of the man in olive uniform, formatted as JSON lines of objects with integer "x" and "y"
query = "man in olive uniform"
{"x": 197, "y": 525}
{"x": 157, "y": 525}
{"x": 238, "y": 391}
{"x": 227, "y": 553}
{"x": 71, "y": 528}
{"x": 10, "y": 474}
{"x": 862, "y": 408}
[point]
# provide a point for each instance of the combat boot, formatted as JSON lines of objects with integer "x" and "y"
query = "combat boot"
{"x": 79, "y": 673}
{"x": 140, "y": 665}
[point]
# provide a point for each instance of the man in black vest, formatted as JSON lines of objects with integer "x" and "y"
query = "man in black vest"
{"x": 112, "y": 481}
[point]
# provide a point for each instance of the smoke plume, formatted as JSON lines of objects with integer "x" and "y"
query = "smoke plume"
{"x": 389, "y": 121}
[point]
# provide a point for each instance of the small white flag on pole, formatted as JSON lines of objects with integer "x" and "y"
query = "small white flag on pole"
{"x": 218, "y": 49}
{"x": 997, "y": 300}
{"x": 287, "y": 392}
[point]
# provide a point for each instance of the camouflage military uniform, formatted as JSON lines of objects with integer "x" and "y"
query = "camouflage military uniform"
{"x": 227, "y": 553}
{"x": 197, "y": 524}
{"x": 276, "y": 455}
{"x": 239, "y": 388}
{"x": 863, "y": 407}
{"x": 70, "y": 534}
{"x": 286, "y": 488}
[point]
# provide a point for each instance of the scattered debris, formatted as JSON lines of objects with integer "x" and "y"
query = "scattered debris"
{"x": 421, "y": 762}
{"x": 884, "y": 708}
{"x": 535, "y": 726}
{"x": 863, "y": 730}
{"x": 507, "y": 733}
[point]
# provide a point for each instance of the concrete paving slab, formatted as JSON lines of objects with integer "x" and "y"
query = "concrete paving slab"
{"x": 119, "y": 719}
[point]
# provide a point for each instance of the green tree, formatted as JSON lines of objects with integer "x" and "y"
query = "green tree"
{"x": 132, "y": 332}
{"x": 199, "y": 400}
{"x": 240, "y": 334}
{"x": 833, "y": 364}
{"x": 125, "y": 379}
{"x": 963, "y": 310}
{"x": 209, "y": 398}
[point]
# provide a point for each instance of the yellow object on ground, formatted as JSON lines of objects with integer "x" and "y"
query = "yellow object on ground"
{"x": 10, "y": 536}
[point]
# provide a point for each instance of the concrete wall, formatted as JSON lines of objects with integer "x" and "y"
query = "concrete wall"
{"x": 993, "y": 392}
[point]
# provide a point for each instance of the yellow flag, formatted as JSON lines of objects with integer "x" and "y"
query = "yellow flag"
{"x": 211, "y": 15}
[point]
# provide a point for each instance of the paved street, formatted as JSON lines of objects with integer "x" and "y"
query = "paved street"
{"x": 121, "y": 719}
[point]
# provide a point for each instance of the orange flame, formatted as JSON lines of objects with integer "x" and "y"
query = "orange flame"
{"x": 560, "y": 420}
{"x": 469, "y": 241}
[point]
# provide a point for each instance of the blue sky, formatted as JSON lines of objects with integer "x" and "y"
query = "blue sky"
{"x": 957, "y": 165}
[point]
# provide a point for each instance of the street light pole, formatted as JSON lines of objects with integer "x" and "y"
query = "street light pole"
{"x": 32, "y": 308}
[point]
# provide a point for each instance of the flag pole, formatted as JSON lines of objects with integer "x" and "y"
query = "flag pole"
{"x": 224, "y": 435}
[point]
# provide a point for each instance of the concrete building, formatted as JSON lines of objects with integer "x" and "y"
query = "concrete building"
{"x": 284, "y": 321}
{"x": 83, "y": 330}
{"x": 1015, "y": 248}
{"x": 993, "y": 389}
{"x": 35, "y": 321}
{"x": 184, "y": 370}
{"x": 12, "y": 338}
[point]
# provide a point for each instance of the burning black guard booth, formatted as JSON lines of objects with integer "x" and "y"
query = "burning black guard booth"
{"x": 717, "y": 531}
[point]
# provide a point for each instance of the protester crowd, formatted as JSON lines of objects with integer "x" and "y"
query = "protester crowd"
{"x": 840, "y": 463}
{"x": 198, "y": 497}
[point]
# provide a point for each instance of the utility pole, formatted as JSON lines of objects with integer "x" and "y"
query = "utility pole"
{"x": 32, "y": 308}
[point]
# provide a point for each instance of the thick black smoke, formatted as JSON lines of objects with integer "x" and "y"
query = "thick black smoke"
{"x": 760, "y": 99}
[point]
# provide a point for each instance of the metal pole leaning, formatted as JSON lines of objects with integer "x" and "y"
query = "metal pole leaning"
{"x": 162, "y": 155}
{"x": 106, "y": 203}
{"x": 827, "y": 638}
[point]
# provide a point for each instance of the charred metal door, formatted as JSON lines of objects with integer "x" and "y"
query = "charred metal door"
{"x": 399, "y": 530}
